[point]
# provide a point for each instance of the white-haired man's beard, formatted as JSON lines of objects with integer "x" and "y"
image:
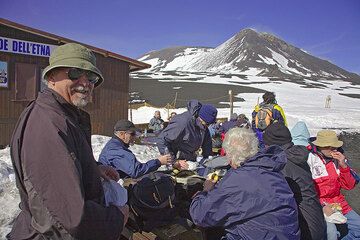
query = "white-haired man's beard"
{"x": 82, "y": 96}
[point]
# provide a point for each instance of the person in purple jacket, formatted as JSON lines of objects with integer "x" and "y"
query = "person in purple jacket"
{"x": 117, "y": 154}
{"x": 253, "y": 199}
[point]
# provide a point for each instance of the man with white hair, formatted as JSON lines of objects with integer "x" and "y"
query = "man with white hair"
{"x": 253, "y": 200}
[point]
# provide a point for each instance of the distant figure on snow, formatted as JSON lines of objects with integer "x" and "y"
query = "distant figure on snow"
{"x": 328, "y": 101}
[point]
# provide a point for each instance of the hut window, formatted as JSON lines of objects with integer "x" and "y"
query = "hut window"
{"x": 25, "y": 81}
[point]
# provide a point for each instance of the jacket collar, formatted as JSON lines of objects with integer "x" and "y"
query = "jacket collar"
{"x": 54, "y": 100}
{"x": 124, "y": 145}
{"x": 70, "y": 109}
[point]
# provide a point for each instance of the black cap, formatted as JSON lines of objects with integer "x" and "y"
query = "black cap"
{"x": 277, "y": 134}
{"x": 125, "y": 125}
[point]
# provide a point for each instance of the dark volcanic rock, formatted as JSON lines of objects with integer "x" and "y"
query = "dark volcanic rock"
{"x": 351, "y": 147}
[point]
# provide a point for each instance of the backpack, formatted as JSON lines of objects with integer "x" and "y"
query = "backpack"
{"x": 151, "y": 200}
{"x": 187, "y": 184}
{"x": 264, "y": 116}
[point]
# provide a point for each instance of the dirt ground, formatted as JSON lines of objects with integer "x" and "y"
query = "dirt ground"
{"x": 352, "y": 149}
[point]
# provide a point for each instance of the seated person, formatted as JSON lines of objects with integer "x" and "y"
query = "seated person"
{"x": 172, "y": 115}
{"x": 231, "y": 123}
{"x": 156, "y": 123}
{"x": 243, "y": 121}
{"x": 331, "y": 174}
{"x": 298, "y": 175}
{"x": 300, "y": 134}
{"x": 253, "y": 199}
{"x": 117, "y": 154}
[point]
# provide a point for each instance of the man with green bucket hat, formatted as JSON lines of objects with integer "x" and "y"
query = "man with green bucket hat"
{"x": 57, "y": 176}
{"x": 331, "y": 173}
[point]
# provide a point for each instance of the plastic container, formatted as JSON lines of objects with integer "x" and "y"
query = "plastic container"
{"x": 168, "y": 166}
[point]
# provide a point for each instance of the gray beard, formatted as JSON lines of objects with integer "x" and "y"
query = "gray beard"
{"x": 81, "y": 102}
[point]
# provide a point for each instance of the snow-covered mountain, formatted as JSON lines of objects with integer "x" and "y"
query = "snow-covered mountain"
{"x": 248, "y": 53}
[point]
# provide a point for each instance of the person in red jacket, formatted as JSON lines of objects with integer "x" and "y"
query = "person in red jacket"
{"x": 331, "y": 174}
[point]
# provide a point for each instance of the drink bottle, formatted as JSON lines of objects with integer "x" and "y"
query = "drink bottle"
{"x": 168, "y": 166}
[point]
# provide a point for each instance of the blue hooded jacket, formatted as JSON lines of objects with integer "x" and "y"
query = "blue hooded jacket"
{"x": 300, "y": 134}
{"x": 226, "y": 126}
{"x": 253, "y": 201}
{"x": 186, "y": 134}
{"x": 118, "y": 155}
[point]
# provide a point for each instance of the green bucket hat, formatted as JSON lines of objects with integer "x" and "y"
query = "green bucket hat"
{"x": 327, "y": 138}
{"x": 73, "y": 55}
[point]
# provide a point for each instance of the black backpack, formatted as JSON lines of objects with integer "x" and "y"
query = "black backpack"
{"x": 151, "y": 200}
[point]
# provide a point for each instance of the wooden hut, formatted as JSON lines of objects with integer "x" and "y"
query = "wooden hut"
{"x": 24, "y": 53}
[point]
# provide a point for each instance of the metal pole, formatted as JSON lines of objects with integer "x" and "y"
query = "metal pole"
{"x": 175, "y": 100}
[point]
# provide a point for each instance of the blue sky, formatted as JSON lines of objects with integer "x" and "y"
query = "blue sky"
{"x": 329, "y": 29}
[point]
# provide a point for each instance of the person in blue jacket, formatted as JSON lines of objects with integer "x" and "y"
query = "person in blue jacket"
{"x": 231, "y": 123}
{"x": 117, "y": 154}
{"x": 253, "y": 199}
{"x": 187, "y": 132}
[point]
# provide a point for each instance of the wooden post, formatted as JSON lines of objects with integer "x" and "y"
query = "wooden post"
{"x": 231, "y": 103}
{"x": 131, "y": 119}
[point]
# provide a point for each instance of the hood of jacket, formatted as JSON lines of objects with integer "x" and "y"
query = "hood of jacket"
{"x": 272, "y": 158}
{"x": 296, "y": 154}
{"x": 300, "y": 134}
{"x": 193, "y": 107}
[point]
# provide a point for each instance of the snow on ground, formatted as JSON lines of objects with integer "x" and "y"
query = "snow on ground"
{"x": 9, "y": 196}
{"x": 299, "y": 103}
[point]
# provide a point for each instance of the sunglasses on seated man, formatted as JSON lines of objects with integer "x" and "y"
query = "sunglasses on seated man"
{"x": 75, "y": 73}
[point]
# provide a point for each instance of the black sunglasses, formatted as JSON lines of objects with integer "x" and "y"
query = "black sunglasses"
{"x": 76, "y": 73}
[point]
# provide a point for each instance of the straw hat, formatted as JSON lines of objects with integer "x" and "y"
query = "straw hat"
{"x": 327, "y": 138}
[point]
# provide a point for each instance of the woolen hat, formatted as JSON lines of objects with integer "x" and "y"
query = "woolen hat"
{"x": 73, "y": 55}
{"x": 277, "y": 134}
{"x": 327, "y": 138}
{"x": 208, "y": 113}
{"x": 125, "y": 125}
